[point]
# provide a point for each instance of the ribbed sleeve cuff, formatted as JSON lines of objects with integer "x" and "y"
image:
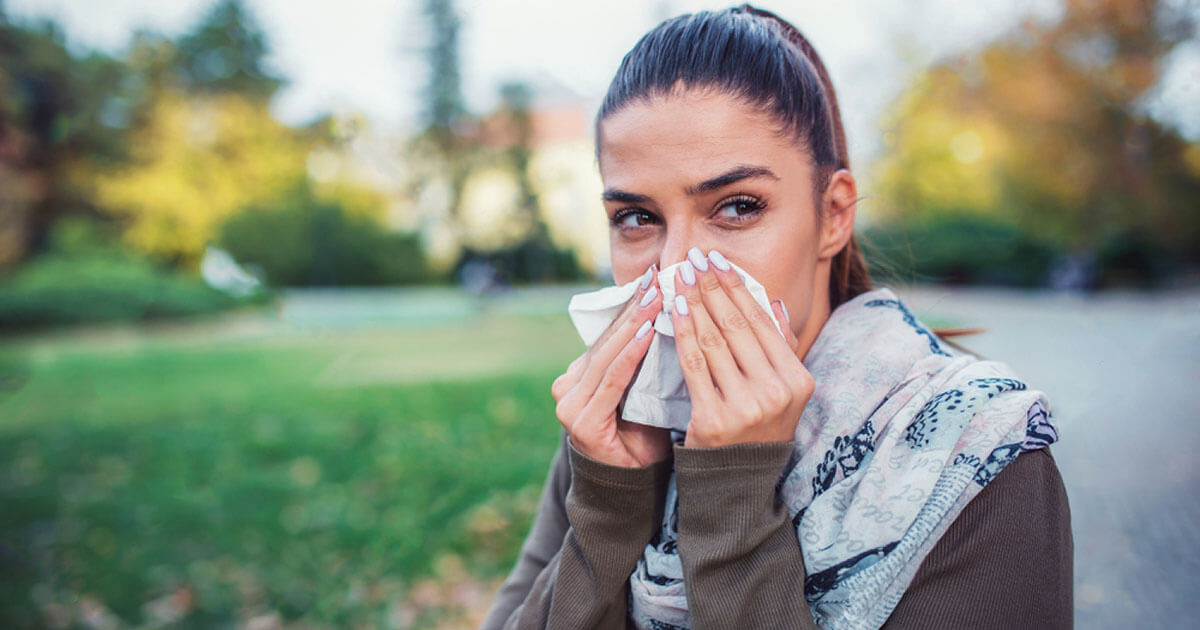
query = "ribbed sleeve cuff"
{"x": 729, "y": 492}
{"x": 593, "y": 471}
{"x": 606, "y": 499}
{"x": 758, "y": 456}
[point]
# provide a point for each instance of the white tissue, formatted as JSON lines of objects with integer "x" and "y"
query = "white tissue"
{"x": 658, "y": 395}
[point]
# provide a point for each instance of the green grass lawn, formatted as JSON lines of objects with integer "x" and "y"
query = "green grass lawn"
{"x": 196, "y": 477}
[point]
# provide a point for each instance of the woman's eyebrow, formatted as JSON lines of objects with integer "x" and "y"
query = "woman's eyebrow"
{"x": 725, "y": 179}
{"x": 720, "y": 181}
{"x": 621, "y": 196}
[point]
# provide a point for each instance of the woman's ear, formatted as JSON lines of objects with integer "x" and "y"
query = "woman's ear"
{"x": 837, "y": 213}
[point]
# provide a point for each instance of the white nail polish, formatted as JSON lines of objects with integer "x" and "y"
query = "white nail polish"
{"x": 649, "y": 297}
{"x": 718, "y": 260}
{"x": 698, "y": 259}
{"x": 783, "y": 307}
{"x": 646, "y": 277}
{"x": 644, "y": 329}
{"x": 689, "y": 275}
{"x": 681, "y": 306}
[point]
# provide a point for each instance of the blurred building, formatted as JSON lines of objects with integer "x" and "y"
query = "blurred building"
{"x": 563, "y": 171}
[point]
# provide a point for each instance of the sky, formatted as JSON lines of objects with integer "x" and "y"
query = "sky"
{"x": 365, "y": 55}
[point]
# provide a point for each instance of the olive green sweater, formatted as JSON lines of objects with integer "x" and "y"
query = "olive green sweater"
{"x": 1005, "y": 562}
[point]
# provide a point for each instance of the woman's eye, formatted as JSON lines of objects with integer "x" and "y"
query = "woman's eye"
{"x": 632, "y": 219}
{"x": 740, "y": 209}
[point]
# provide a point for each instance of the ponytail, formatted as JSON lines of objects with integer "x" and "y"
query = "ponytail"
{"x": 848, "y": 273}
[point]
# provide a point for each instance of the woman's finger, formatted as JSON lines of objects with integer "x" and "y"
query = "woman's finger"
{"x": 617, "y": 376}
{"x": 574, "y": 372}
{"x": 646, "y": 281}
{"x": 577, "y": 367}
{"x": 719, "y": 285}
{"x": 785, "y": 321}
{"x": 772, "y": 341}
{"x": 691, "y": 358}
{"x": 606, "y": 352}
{"x": 709, "y": 338}
{"x": 793, "y": 371}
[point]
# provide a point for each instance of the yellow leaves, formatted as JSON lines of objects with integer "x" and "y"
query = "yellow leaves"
{"x": 1191, "y": 157}
{"x": 200, "y": 160}
{"x": 942, "y": 156}
{"x": 356, "y": 200}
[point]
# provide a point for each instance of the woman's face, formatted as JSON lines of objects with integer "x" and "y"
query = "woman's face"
{"x": 702, "y": 169}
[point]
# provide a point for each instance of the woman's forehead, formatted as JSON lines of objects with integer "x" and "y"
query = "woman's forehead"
{"x": 691, "y": 136}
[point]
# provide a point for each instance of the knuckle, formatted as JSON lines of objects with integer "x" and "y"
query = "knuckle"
{"x": 799, "y": 376}
{"x": 578, "y": 367}
{"x": 735, "y": 321}
{"x": 606, "y": 386}
{"x": 806, "y": 383}
{"x": 711, "y": 339}
{"x": 709, "y": 283}
{"x": 751, "y": 413}
{"x": 775, "y": 395}
{"x": 610, "y": 385}
{"x": 692, "y": 362}
{"x": 760, "y": 318}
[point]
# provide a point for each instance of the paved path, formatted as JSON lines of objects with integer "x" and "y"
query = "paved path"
{"x": 1122, "y": 373}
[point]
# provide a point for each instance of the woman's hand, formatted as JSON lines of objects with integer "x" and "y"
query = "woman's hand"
{"x": 744, "y": 378}
{"x": 590, "y": 391}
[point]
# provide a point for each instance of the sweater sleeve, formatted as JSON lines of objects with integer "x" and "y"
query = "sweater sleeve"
{"x": 742, "y": 566}
{"x": 1005, "y": 563}
{"x": 592, "y": 524}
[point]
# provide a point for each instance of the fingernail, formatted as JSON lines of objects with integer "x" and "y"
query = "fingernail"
{"x": 718, "y": 260}
{"x": 698, "y": 259}
{"x": 646, "y": 277}
{"x": 649, "y": 297}
{"x": 689, "y": 276}
{"x": 681, "y": 305}
{"x": 783, "y": 307}
{"x": 644, "y": 329}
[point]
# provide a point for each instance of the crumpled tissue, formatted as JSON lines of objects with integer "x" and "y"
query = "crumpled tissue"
{"x": 658, "y": 394}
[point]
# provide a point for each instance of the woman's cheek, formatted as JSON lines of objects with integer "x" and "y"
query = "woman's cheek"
{"x": 629, "y": 264}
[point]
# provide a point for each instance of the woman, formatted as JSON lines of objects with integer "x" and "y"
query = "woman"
{"x": 851, "y": 472}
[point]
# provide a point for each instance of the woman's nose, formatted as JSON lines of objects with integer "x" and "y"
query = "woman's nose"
{"x": 676, "y": 248}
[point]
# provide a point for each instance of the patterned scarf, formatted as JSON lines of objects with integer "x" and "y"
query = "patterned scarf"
{"x": 901, "y": 432}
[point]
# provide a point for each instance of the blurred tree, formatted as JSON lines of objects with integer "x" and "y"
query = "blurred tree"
{"x": 225, "y": 54}
{"x": 198, "y": 162}
{"x": 208, "y": 147}
{"x": 536, "y": 253}
{"x": 58, "y": 114}
{"x": 444, "y": 105}
{"x": 1047, "y": 130}
{"x": 536, "y": 258}
{"x": 443, "y": 153}
{"x": 64, "y": 118}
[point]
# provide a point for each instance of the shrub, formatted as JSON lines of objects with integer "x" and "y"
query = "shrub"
{"x": 57, "y": 289}
{"x": 302, "y": 241}
{"x": 958, "y": 250}
{"x": 1132, "y": 258}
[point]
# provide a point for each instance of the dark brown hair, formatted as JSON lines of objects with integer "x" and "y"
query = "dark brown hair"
{"x": 764, "y": 60}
